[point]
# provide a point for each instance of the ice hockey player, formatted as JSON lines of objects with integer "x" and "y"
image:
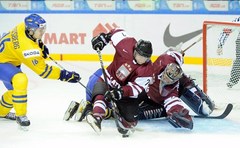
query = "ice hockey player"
{"x": 235, "y": 71}
{"x": 170, "y": 90}
{"x": 23, "y": 45}
{"x": 130, "y": 73}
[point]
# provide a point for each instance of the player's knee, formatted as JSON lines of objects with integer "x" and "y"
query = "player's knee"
{"x": 20, "y": 81}
{"x": 100, "y": 88}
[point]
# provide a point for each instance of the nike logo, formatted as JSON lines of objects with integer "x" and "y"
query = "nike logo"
{"x": 173, "y": 41}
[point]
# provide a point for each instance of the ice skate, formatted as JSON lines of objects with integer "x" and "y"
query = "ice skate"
{"x": 23, "y": 122}
{"x": 230, "y": 84}
{"x": 125, "y": 132}
{"x": 84, "y": 108}
{"x": 94, "y": 122}
{"x": 72, "y": 109}
{"x": 10, "y": 116}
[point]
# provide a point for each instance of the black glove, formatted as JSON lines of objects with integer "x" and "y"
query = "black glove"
{"x": 44, "y": 49}
{"x": 114, "y": 95}
{"x": 100, "y": 41}
{"x": 68, "y": 76}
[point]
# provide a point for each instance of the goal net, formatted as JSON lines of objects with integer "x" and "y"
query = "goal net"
{"x": 217, "y": 68}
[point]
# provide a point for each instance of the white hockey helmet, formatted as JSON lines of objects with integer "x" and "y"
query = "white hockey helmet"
{"x": 171, "y": 74}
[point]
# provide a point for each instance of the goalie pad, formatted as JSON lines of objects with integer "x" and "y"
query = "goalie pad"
{"x": 194, "y": 97}
{"x": 150, "y": 110}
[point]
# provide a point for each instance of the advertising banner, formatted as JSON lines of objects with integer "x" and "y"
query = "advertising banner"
{"x": 125, "y": 6}
{"x": 73, "y": 34}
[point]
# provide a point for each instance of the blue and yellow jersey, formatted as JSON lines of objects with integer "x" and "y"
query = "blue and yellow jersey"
{"x": 16, "y": 48}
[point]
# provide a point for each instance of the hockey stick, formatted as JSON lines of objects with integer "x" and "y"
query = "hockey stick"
{"x": 105, "y": 79}
{"x": 225, "y": 113}
{"x": 102, "y": 66}
{"x": 64, "y": 69}
{"x": 114, "y": 106}
{"x": 184, "y": 50}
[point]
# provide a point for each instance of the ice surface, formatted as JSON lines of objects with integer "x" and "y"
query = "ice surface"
{"x": 49, "y": 99}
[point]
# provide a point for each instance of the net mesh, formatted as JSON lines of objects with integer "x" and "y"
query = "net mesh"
{"x": 219, "y": 71}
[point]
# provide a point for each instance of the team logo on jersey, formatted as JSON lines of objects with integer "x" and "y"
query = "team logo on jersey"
{"x": 123, "y": 71}
{"x": 31, "y": 53}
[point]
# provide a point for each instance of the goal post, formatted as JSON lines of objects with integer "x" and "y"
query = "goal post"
{"x": 214, "y": 65}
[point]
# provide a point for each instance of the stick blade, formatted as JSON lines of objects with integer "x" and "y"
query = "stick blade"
{"x": 225, "y": 113}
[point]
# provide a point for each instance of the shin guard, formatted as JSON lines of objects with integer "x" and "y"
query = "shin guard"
{"x": 19, "y": 94}
{"x": 6, "y": 103}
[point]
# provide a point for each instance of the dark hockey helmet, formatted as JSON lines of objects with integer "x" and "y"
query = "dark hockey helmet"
{"x": 144, "y": 48}
{"x": 34, "y": 21}
{"x": 172, "y": 73}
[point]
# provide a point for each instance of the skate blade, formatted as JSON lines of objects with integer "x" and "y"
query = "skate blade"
{"x": 23, "y": 128}
{"x": 80, "y": 109}
{"x": 129, "y": 133}
{"x": 91, "y": 122}
{"x": 67, "y": 114}
{"x": 78, "y": 115}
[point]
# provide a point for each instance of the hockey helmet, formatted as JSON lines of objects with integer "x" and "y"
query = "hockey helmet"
{"x": 144, "y": 48}
{"x": 35, "y": 26}
{"x": 34, "y": 21}
{"x": 171, "y": 74}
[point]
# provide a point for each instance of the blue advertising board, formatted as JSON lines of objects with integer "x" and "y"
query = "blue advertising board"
{"x": 123, "y": 6}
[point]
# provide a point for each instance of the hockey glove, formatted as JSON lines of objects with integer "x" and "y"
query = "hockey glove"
{"x": 44, "y": 49}
{"x": 180, "y": 119}
{"x": 100, "y": 41}
{"x": 114, "y": 95}
{"x": 68, "y": 76}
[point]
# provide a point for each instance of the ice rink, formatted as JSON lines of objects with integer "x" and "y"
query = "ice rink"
{"x": 49, "y": 99}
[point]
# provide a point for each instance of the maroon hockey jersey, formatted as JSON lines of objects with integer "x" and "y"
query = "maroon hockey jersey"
{"x": 157, "y": 92}
{"x": 124, "y": 71}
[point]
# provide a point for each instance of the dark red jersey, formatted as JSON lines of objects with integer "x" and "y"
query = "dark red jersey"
{"x": 159, "y": 92}
{"x": 124, "y": 71}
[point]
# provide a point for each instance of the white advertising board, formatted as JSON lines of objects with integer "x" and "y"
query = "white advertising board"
{"x": 72, "y": 33}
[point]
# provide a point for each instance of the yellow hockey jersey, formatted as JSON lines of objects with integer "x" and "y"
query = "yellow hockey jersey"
{"x": 16, "y": 48}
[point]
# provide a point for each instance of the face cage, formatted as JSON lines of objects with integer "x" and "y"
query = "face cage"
{"x": 168, "y": 77}
{"x": 37, "y": 33}
{"x": 42, "y": 28}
